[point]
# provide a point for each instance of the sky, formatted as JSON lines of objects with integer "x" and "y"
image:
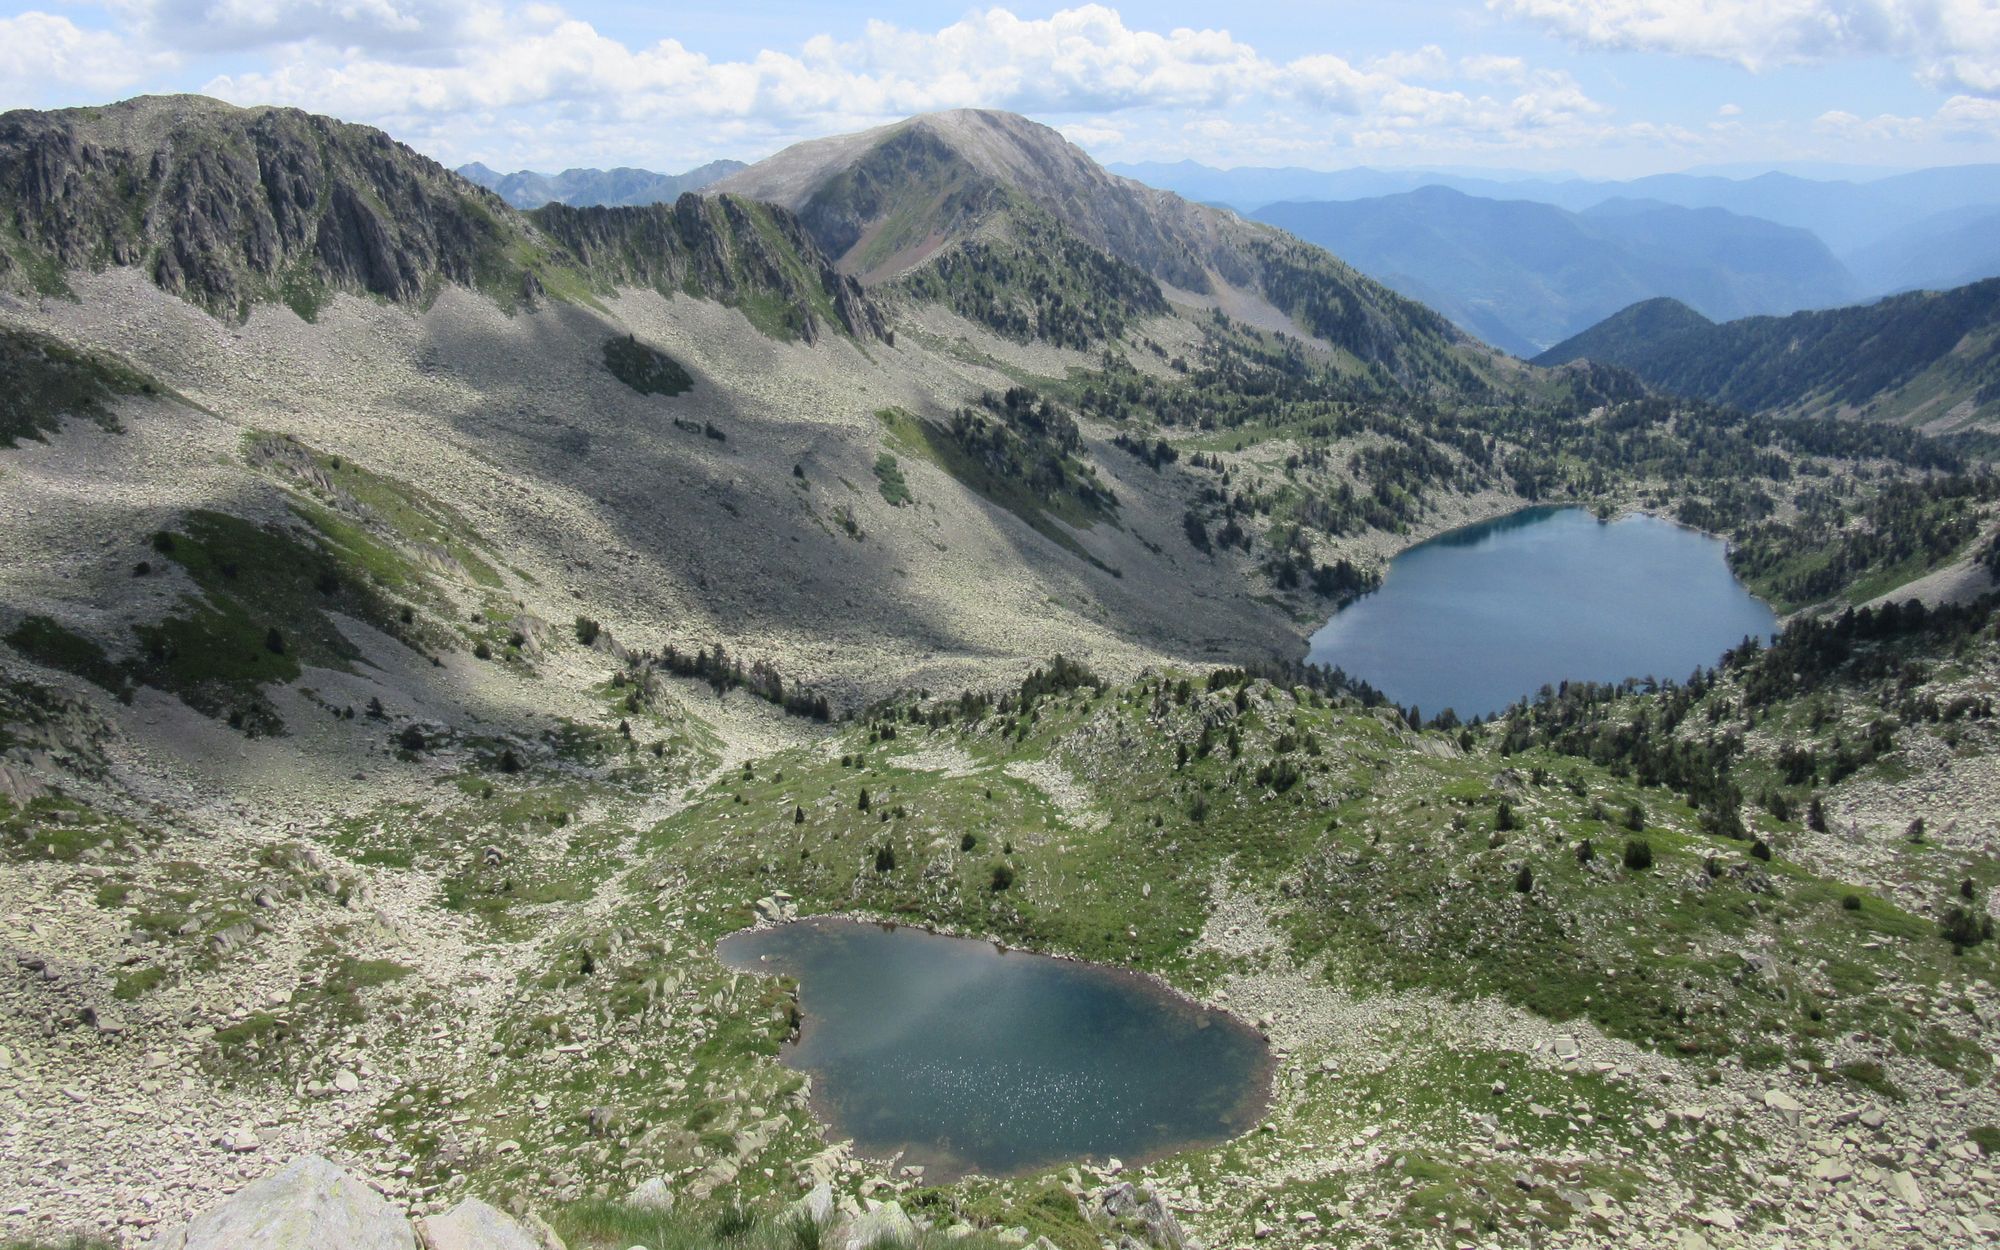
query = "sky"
{"x": 1602, "y": 88}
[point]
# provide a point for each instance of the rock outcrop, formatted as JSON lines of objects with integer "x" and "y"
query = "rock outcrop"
{"x": 229, "y": 207}
{"x": 1126, "y": 1209}
{"x": 311, "y": 1204}
{"x": 474, "y": 1225}
{"x": 726, "y": 248}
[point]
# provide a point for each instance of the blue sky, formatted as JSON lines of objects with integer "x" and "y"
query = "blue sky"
{"x": 1598, "y": 87}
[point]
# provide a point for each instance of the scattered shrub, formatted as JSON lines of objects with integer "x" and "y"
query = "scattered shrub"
{"x": 889, "y": 476}
{"x": 1964, "y": 928}
{"x": 1638, "y": 854}
{"x": 645, "y": 369}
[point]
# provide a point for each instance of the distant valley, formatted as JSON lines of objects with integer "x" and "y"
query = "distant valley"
{"x": 429, "y": 626}
{"x": 1524, "y": 261}
{"x": 1523, "y": 275}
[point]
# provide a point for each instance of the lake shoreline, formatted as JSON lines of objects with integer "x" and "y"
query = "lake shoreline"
{"x": 1476, "y": 617}
{"x": 1255, "y": 1104}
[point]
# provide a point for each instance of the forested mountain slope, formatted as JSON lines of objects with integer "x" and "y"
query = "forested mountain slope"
{"x": 1930, "y": 359}
{"x": 887, "y": 203}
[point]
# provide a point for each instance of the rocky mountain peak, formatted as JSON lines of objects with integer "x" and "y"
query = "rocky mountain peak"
{"x": 230, "y": 207}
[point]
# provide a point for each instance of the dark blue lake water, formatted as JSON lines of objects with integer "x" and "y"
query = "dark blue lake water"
{"x": 973, "y": 1059}
{"x": 1477, "y": 618}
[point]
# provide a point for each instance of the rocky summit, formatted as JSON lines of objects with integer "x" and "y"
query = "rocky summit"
{"x": 429, "y": 626}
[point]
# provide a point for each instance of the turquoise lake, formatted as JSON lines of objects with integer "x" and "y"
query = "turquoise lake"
{"x": 1477, "y": 618}
{"x": 969, "y": 1058}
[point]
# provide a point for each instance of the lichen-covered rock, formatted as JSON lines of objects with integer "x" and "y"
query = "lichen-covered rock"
{"x": 1127, "y": 1205}
{"x": 309, "y": 1204}
{"x": 881, "y": 1226}
{"x": 651, "y": 1194}
{"x": 475, "y": 1225}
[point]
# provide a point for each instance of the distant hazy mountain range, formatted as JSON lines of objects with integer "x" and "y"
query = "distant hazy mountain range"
{"x": 586, "y": 188}
{"x": 1523, "y": 275}
{"x": 1847, "y": 214}
{"x": 1524, "y": 261}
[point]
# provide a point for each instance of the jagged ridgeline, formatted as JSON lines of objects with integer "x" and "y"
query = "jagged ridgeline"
{"x": 230, "y": 208}
{"x": 1928, "y": 358}
{"x": 1010, "y": 225}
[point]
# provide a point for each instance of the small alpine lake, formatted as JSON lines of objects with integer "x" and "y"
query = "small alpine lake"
{"x": 1482, "y": 616}
{"x": 969, "y": 1057}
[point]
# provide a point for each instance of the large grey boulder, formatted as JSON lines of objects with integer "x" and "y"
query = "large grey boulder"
{"x": 885, "y": 1225}
{"x": 309, "y": 1204}
{"x": 651, "y": 1194}
{"x": 1128, "y": 1206}
{"x": 474, "y": 1225}
{"x": 816, "y": 1206}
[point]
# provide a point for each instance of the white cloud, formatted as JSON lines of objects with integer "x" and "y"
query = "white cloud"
{"x": 1960, "y": 118}
{"x": 1428, "y": 61}
{"x": 1083, "y": 64}
{"x": 42, "y": 50}
{"x": 1079, "y": 60}
{"x": 530, "y": 82}
{"x": 1485, "y": 68}
{"x": 1953, "y": 44}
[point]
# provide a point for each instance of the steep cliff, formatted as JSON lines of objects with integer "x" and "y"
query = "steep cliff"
{"x": 230, "y": 207}
{"x": 726, "y": 248}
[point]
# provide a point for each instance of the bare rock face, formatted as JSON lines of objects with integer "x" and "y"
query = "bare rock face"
{"x": 475, "y": 1225}
{"x": 725, "y": 248}
{"x": 886, "y": 1224}
{"x": 227, "y": 206}
{"x": 1129, "y": 1208}
{"x": 307, "y": 1205}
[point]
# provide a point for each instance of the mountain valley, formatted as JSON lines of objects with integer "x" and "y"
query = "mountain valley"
{"x": 431, "y": 624}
